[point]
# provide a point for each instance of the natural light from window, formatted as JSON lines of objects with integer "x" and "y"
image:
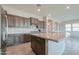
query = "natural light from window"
{"x": 75, "y": 27}
{"x": 72, "y": 27}
{"x": 68, "y": 27}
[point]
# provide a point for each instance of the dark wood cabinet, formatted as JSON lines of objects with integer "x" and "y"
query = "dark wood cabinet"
{"x": 41, "y": 24}
{"x": 27, "y": 22}
{"x": 50, "y": 26}
{"x": 33, "y": 21}
{"x": 38, "y": 45}
{"x": 17, "y": 21}
{"x": 11, "y": 21}
{"x": 26, "y": 38}
{"x": 20, "y": 22}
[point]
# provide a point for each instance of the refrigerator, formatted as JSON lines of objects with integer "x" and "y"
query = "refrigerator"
{"x": 3, "y": 34}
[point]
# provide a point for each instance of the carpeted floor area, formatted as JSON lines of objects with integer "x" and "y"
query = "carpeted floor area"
{"x": 22, "y": 49}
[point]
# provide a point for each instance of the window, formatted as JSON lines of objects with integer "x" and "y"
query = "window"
{"x": 68, "y": 27}
{"x": 75, "y": 27}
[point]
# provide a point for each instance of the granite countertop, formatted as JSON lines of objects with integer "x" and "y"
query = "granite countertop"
{"x": 51, "y": 36}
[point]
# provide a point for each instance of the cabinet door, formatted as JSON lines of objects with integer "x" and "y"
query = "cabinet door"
{"x": 44, "y": 24}
{"x": 38, "y": 45}
{"x": 27, "y": 22}
{"x": 11, "y": 21}
{"x": 54, "y": 26}
{"x": 26, "y": 38}
{"x": 19, "y": 21}
{"x": 34, "y": 21}
{"x": 49, "y": 26}
{"x": 41, "y": 24}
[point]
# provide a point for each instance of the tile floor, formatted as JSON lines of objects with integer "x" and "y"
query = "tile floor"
{"x": 72, "y": 46}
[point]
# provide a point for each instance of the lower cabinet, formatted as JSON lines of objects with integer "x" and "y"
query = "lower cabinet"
{"x": 38, "y": 45}
{"x": 26, "y": 38}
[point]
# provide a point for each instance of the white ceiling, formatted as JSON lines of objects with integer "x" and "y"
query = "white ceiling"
{"x": 57, "y": 11}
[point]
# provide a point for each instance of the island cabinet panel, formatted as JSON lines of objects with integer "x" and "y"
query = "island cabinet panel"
{"x": 38, "y": 45}
{"x": 26, "y": 38}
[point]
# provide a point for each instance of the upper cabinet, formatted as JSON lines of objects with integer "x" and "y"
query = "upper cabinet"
{"x": 49, "y": 25}
{"x": 55, "y": 26}
{"x": 41, "y": 24}
{"x": 11, "y": 21}
{"x": 27, "y": 22}
{"x": 20, "y": 21}
{"x": 17, "y": 21}
{"x": 33, "y": 21}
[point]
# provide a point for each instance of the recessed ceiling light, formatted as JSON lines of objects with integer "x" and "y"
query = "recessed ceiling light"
{"x": 38, "y": 10}
{"x": 67, "y": 7}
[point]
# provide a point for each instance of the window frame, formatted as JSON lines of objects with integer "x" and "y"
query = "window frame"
{"x": 66, "y": 27}
{"x": 75, "y": 26}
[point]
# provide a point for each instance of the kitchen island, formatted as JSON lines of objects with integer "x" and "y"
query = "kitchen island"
{"x": 48, "y": 43}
